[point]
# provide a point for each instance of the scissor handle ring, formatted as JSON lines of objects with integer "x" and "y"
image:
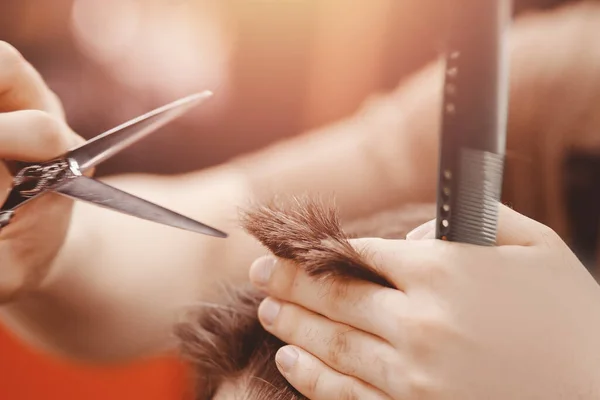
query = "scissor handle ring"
{"x": 43, "y": 176}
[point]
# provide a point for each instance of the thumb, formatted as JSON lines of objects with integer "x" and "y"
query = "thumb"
{"x": 514, "y": 229}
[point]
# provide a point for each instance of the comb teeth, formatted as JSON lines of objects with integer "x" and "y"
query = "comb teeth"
{"x": 479, "y": 185}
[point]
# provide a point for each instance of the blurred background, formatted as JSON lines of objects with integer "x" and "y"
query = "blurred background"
{"x": 277, "y": 67}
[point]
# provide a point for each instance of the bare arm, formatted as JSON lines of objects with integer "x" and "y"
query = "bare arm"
{"x": 118, "y": 284}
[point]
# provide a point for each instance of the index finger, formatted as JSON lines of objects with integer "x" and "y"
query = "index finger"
{"x": 352, "y": 302}
{"x": 406, "y": 261}
{"x": 515, "y": 229}
{"x": 22, "y": 87}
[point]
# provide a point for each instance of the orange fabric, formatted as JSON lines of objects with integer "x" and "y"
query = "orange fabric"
{"x": 27, "y": 375}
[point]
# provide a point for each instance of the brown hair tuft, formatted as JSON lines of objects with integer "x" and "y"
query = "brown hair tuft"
{"x": 226, "y": 343}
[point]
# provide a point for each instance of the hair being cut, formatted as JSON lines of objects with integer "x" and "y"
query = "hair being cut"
{"x": 226, "y": 343}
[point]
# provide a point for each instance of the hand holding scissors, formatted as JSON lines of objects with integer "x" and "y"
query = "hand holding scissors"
{"x": 64, "y": 175}
{"x": 35, "y": 141}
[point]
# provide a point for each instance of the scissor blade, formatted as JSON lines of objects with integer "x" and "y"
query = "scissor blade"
{"x": 103, "y": 195}
{"x": 109, "y": 143}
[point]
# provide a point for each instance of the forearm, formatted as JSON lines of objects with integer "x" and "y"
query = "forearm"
{"x": 120, "y": 283}
{"x": 382, "y": 156}
{"x": 387, "y": 153}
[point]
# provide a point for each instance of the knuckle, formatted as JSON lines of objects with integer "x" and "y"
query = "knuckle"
{"x": 396, "y": 311}
{"x": 311, "y": 335}
{"x": 313, "y": 382}
{"x": 426, "y": 333}
{"x": 348, "y": 391}
{"x": 339, "y": 347}
{"x": 10, "y": 59}
{"x": 387, "y": 365}
{"x": 340, "y": 296}
{"x": 337, "y": 296}
{"x": 44, "y": 121}
{"x": 49, "y": 129}
{"x": 332, "y": 293}
{"x": 285, "y": 325}
{"x": 56, "y": 103}
{"x": 421, "y": 387}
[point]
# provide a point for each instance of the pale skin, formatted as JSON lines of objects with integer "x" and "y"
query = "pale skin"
{"x": 517, "y": 321}
{"x": 99, "y": 286}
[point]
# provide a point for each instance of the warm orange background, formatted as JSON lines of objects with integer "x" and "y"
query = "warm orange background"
{"x": 295, "y": 65}
{"x": 25, "y": 375}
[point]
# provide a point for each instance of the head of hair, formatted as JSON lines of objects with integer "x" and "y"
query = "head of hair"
{"x": 225, "y": 342}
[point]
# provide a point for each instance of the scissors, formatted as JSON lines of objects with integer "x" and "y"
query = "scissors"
{"x": 65, "y": 175}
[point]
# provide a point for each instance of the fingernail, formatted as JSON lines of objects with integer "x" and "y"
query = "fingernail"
{"x": 422, "y": 231}
{"x": 286, "y": 358}
{"x": 268, "y": 311}
{"x": 261, "y": 270}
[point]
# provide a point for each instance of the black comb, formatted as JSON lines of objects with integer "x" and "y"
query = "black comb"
{"x": 475, "y": 108}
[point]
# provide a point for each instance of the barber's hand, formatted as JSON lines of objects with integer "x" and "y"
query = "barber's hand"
{"x": 32, "y": 128}
{"x": 516, "y": 321}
